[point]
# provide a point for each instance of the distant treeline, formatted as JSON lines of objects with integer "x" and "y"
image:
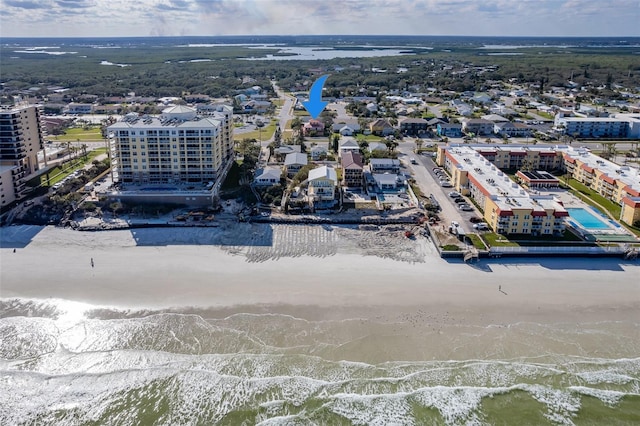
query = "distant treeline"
{"x": 166, "y": 68}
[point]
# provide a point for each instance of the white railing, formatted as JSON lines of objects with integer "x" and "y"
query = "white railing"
{"x": 558, "y": 250}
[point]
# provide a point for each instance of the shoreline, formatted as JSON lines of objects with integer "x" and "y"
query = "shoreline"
{"x": 132, "y": 273}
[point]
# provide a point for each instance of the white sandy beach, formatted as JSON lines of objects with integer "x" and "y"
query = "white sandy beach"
{"x": 166, "y": 272}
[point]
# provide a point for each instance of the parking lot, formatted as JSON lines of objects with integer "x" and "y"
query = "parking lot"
{"x": 430, "y": 178}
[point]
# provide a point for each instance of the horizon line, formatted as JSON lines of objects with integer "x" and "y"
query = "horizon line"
{"x": 334, "y": 35}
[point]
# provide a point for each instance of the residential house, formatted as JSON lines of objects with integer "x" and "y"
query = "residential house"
{"x": 268, "y": 176}
{"x": 381, "y": 127}
{"x": 197, "y": 98}
{"x": 511, "y": 129}
{"x": 501, "y": 110}
{"x": 313, "y": 128}
{"x": 481, "y": 98}
{"x": 77, "y": 108}
{"x": 293, "y": 162}
{"x": 322, "y": 183}
{"x": 106, "y": 109}
{"x": 346, "y": 131}
{"x": 352, "y": 167}
{"x": 384, "y": 165}
{"x": 477, "y": 126}
{"x": 434, "y": 122}
{"x": 372, "y": 107}
{"x": 351, "y": 124}
{"x": 461, "y": 107}
{"x": 284, "y": 150}
{"x": 386, "y": 181}
{"x": 377, "y": 146}
{"x": 348, "y": 144}
{"x": 413, "y": 126}
{"x": 318, "y": 152}
{"x": 449, "y": 130}
{"x": 495, "y": 118}
{"x": 254, "y": 106}
{"x": 253, "y": 90}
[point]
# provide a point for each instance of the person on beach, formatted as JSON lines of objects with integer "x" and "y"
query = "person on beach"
{"x": 92, "y": 262}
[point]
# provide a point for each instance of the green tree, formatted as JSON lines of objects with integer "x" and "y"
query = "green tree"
{"x": 391, "y": 145}
{"x": 335, "y": 143}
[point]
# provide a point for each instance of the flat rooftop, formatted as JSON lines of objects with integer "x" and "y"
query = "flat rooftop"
{"x": 507, "y": 194}
{"x": 628, "y": 175}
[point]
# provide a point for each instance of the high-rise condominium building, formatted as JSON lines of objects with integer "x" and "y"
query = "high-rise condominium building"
{"x": 182, "y": 145}
{"x": 21, "y": 138}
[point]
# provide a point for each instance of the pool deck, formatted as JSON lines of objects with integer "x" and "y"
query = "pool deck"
{"x": 612, "y": 233}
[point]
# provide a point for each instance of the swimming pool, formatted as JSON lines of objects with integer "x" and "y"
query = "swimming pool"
{"x": 586, "y": 220}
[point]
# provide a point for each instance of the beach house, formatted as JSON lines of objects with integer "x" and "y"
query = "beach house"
{"x": 293, "y": 162}
{"x": 352, "y": 168}
{"x": 322, "y": 183}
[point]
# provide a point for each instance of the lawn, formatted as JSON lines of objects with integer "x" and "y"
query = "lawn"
{"x": 477, "y": 241}
{"x": 369, "y": 138}
{"x": 267, "y": 132}
{"x": 498, "y": 240}
{"x": 60, "y": 172}
{"x": 80, "y": 134}
{"x": 545, "y": 115}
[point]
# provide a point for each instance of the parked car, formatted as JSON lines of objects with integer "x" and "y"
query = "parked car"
{"x": 455, "y": 194}
{"x": 481, "y": 226}
{"x": 475, "y": 219}
{"x": 460, "y": 200}
{"x": 445, "y": 184}
{"x": 465, "y": 207}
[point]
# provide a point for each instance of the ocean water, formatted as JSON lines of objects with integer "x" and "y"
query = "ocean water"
{"x": 67, "y": 363}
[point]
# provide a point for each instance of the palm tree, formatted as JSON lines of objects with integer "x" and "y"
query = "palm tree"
{"x": 296, "y": 124}
{"x": 419, "y": 143}
{"x": 391, "y": 145}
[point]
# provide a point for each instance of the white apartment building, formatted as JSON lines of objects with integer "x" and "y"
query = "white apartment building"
{"x": 21, "y": 138}
{"x": 593, "y": 127}
{"x": 179, "y": 146}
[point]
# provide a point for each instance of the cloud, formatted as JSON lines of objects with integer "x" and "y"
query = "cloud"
{"x": 174, "y": 5}
{"x": 28, "y": 4}
{"x": 232, "y": 17}
{"x": 75, "y": 4}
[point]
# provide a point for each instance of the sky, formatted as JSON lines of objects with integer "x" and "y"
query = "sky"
{"x": 123, "y": 18}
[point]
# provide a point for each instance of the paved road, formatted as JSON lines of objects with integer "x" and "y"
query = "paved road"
{"x": 428, "y": 183}
{"x": 286, "y": 112}
{"x": 340, "y": 109}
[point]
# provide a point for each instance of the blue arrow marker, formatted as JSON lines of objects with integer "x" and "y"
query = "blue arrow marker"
{"x": 315, "y": 105}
